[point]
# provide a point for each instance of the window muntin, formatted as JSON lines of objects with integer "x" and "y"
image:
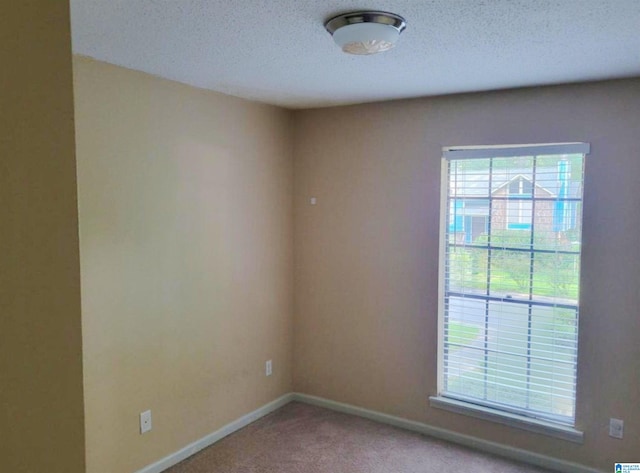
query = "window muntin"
{"x": 510, "y": 292}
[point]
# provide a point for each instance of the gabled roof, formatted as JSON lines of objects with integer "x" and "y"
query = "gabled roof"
{"x": 526, "y": 178}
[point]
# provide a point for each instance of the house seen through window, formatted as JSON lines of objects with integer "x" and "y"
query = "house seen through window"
{"x": 510, "y": 273}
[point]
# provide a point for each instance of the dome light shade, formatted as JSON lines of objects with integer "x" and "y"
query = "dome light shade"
{"x": 366, "y": 32}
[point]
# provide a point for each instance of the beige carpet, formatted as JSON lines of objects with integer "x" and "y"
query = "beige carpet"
{"x": 299, "y": 438}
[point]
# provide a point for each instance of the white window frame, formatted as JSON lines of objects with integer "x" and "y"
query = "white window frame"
{"x": 562, "y": 431}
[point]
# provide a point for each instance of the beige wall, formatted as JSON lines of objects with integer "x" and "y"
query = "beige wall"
{"x": 186, "y": 259}
{"x": 41, "y": 411}
{"x": 366, "y": 264}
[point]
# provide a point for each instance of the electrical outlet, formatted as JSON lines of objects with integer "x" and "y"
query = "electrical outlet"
{"x": 616, "y": 428}
{"x": 268, "y": 368}
{"x": 145, "y": 422}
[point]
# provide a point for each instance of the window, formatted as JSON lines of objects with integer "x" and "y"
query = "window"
{"x": 509, "y": 283}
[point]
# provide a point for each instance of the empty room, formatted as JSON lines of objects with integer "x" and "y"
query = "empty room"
{"x": 297, "y": 236}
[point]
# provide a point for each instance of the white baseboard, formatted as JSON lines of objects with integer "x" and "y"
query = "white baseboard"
{"x": 213, "y": 437}
{"x": 512, "y": 453}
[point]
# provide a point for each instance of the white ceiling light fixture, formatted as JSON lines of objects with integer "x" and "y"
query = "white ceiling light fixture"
{"x": 366, "y": 32}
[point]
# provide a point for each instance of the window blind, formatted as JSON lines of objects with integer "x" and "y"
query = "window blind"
{"x": 510, "y": 279}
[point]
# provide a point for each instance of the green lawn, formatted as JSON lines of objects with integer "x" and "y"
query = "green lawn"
{"x": 460, "y": 333}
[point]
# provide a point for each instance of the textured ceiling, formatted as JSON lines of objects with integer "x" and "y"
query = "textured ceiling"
{"x": 277, "y": 51}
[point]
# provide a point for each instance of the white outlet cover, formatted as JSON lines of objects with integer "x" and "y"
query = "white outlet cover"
{"x": 145, "y": 422}
{"x": 268, "y": 368}
{"x": 616, "y": 428}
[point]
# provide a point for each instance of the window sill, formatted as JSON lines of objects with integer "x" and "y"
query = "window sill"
{"x": 513, "y": 420}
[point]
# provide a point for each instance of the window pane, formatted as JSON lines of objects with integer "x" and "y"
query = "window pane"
{"x": 467, "y": 270}
{"x": 557, "y": 275}
{"x": 468, "y": 178}
{"x": 510, "y": 273}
